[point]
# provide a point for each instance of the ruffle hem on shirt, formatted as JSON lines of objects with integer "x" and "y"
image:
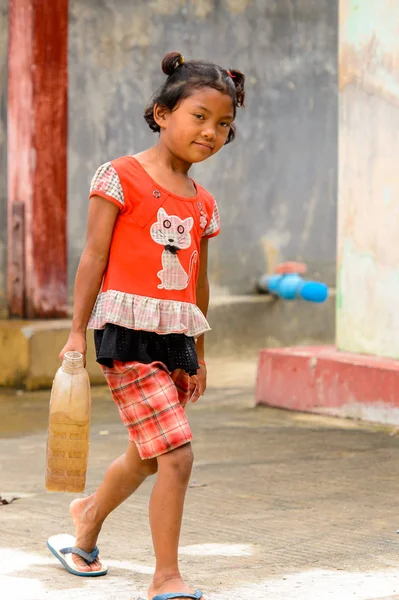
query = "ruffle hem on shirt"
{"x": 147, "y": 314}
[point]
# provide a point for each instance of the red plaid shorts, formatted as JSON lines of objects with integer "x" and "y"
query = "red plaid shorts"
{"x": 151, "y": 403}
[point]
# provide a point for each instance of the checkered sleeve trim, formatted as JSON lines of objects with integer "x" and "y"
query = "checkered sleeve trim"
{"x": 214, "y": 224}
{"x": 106, "y": 183}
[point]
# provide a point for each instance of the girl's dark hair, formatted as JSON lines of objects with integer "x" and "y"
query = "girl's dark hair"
{"x": 185, "y": 77}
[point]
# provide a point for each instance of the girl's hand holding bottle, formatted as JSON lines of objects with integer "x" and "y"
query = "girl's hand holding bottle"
{"x": 77, "y": 343}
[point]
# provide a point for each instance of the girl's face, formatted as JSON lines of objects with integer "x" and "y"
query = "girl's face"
{"x": 198, "y": 127}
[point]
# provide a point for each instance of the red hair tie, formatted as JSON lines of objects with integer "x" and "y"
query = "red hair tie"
{"x": 231, "y": 75}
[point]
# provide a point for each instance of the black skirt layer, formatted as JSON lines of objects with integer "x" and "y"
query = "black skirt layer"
{"x": 175, "y": 350}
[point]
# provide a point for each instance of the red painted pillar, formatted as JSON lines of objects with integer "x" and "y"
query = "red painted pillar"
{"x": 37, "y": 158}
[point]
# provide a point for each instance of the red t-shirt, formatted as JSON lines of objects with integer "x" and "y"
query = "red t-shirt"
{"x": 155, "y": 247}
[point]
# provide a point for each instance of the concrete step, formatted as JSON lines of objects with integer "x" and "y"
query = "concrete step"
{"x": 241, "y": 325}
{"x": 326, "y": 381}
{"x": 29, "y": 353}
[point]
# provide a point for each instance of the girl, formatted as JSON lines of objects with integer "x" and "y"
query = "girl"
{"x": 147, "y": 245}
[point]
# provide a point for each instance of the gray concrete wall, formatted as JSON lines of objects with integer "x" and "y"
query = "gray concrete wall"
{"x": 276, "y": 185}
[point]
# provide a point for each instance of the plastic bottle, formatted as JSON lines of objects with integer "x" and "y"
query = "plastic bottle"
{"x": 69, "y": 427}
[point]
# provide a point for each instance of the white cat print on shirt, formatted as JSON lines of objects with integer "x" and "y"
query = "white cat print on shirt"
{"x": 173, "y": 234}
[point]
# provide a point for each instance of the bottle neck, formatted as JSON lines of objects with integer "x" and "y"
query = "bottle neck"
{"x": 73, "y": 362}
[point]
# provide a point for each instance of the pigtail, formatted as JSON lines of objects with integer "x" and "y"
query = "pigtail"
{"x": 171, "y": 61}
{"x": 239, "y": 83}
{"x": 169, "y": 64}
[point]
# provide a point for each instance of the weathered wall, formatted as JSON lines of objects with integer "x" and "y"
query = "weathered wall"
{"x": 368, "y": 252}
{"x": 3, "y": 153}
{"x": 276, "y": 185}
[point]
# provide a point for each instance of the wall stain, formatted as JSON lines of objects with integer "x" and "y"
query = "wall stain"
{"x": 237, "y": 6}
{"x": 369, "y": 48}
{"x": 166, "y": 7}
{"x": 203, "y": 8}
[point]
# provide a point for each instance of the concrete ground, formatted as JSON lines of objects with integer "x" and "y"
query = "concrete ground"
{"x": 281, "y": 505}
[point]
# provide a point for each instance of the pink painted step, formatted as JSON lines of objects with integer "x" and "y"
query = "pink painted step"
{"x": 324, "y": 380}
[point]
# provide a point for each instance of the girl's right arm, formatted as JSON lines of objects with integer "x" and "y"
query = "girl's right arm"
{"x": 100, "y": 225}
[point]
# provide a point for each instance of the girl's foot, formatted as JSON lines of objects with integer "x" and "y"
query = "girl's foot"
{"x": 87, "y": 531}
{"x": 175, "y": 585}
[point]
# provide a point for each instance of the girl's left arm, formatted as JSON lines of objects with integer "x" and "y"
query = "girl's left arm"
{"x": 202, "y": 292}
{"x": 198, "y": 381}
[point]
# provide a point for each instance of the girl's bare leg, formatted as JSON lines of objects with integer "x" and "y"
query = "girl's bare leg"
{"x": 166, "y": 512}
{"x": 122, "y": 478}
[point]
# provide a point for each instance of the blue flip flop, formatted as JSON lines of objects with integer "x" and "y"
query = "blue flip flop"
{"x": 63, "y": 546}
{"x": 196, "y": 596}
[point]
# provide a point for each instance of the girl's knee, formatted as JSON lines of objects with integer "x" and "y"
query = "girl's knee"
{"x": 145, "y": 467}
{"x": 178, "y": 462}
{"x": 149, "y": 467}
